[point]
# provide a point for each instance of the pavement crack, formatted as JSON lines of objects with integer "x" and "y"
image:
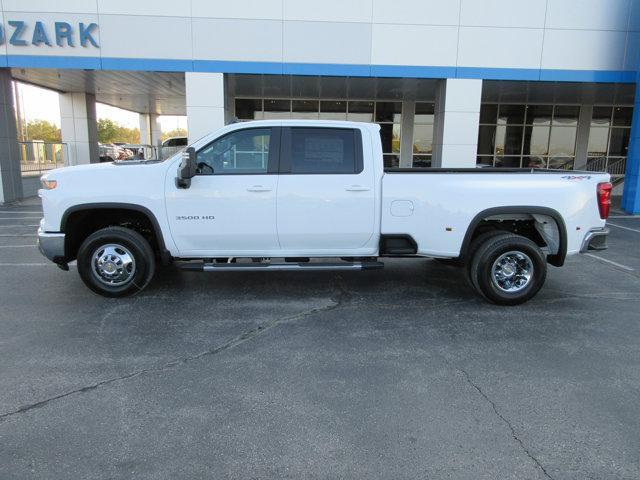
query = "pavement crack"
{"x": 518, "y": 440}
{"x": 337, "y": 300}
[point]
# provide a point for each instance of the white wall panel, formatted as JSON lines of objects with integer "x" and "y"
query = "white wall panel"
{"x": 414, "y": 45}
{"x": 324, "y": 42}
{"x": 503, "y": 13}
{"x": 230, "y": 39}
{"x": 328, "y": 10}
{"x": 588, "y": 14}
{"x": 583, "y": 49}
{"x": 257, "y": 9}
{"x": 427, "y": 12}
{"x": 500, "y": 47}
{"x": 169, "y": 8}
{"x": 59, "y": 6}
{"x": 54, "y": 50}
{"x": 145, "y": 36}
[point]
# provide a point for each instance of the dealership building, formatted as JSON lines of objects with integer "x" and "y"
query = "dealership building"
{"x": 452, "y": 83}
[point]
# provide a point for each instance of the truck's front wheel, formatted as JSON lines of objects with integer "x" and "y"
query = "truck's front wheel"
{"x": 116, "y": 262}
{"x": 508, "y": 269}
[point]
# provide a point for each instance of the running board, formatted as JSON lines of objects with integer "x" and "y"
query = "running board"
{"x": 281, "y": 267}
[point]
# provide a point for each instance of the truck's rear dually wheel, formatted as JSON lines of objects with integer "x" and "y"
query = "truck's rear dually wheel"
{"x": 116, "y": 262}
{"x": 508, "y": 269}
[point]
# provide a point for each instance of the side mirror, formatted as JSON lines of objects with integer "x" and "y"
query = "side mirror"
{"x": 187, "y": 169}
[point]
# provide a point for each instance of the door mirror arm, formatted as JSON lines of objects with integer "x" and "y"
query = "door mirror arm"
{"x": 187, "y": 169}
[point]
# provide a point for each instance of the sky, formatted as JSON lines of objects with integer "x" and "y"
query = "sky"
{"x": 42, "y": 103}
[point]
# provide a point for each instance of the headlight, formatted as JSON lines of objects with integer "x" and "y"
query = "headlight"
{"x": 48, "y": 184}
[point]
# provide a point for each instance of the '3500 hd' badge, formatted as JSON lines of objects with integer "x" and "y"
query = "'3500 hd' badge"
{"x": 195, "y": 217}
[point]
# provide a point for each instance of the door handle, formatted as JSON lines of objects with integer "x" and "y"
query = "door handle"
{"x": 357, "y": 188}
{"x": 258, "y": 188}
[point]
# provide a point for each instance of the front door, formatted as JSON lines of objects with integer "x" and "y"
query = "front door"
{"x": 326, "y": 194}
{"x": 230, "y": 207}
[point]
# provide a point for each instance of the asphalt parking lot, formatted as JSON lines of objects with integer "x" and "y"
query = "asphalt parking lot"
{"x": 398, "y": 373}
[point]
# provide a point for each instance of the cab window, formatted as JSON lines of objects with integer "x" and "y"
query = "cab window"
{"x": 239, "y": 152}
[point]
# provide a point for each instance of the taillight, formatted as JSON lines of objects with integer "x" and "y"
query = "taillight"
{"x": 604, "y": 199}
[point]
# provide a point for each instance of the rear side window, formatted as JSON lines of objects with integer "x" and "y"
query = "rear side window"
{"x": 322, "y": 150}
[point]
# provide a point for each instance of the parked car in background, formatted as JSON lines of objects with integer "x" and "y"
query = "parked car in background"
{"x": 175, "y": 142}
{"x": 296, "y": 195}
{"x": 107, "y": 152}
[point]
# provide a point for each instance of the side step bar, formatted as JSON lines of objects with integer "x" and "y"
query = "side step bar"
{"x": 281, "y": 267}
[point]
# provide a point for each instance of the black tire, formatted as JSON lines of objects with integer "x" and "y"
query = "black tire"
{"x": 473, "y": 248}
{"x": 143, "y": 266}
{"x": 493, "y": 247}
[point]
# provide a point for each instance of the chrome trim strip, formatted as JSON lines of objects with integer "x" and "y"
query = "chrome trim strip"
{"x": 603, "y": 232}
{"x": 51, "y": 244}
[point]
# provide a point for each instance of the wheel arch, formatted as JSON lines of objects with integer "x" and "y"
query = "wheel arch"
{"x": 556, "y": 259}
{"x": 165, "y": 255}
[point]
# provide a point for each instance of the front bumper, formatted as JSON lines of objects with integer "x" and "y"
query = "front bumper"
{"x": 51, "y": 245}
{"x": 595, "y": 240}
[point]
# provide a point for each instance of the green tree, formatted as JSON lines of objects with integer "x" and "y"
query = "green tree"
{"x": 176, "y": 132}
{"x": 110, "y": 132}
{"x": 43, "y": 130}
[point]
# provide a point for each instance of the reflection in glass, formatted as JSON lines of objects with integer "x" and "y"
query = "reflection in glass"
{"x": 489, "y": 113}
{"x": 424, "y": 113}
{"x": 534, "y": 162}
{"x": 422, "y": 138}
{"x": 566, "y": 115}
{"x": 248, "y": 109}
{"x": 274, "y": 109}
{"x": 539, "y": 114}
{"x": 563, "y": 141}
{"x": 390, "y": 137}
{"x": 561, "y": 163}
{"x": 333, "y": 110}
{"x": 508, "y": 140}
{"x": 622, "y": 116}
{"x": 619, "y": 142}
{"x": 601, "y": 117}
{"x": 508, "y": 162}
{"x": 484, "y": 160}
{"x": 388, "y": 112}
{"x": 536, "y": 140}
{"x": 305, "y": 109}
{"x": 360, "y": 111}
{"x": 486, "y": 137}
{"x": 391, "y": 161}
{"x": 598, "y": 137}
{"x": 511, "y": 114}
{"x": 421, "y": 161}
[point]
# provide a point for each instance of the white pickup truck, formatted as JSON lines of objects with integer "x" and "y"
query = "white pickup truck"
{"x": 314, "y": 195}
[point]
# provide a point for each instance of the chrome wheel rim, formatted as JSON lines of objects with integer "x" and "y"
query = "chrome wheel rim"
{"x": 113, "y": 265}
{"x": 512, "y": 271}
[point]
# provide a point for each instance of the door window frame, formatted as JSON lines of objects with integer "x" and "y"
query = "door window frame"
{"x": 286, "y": 150}
{"x": 273, "y": 158}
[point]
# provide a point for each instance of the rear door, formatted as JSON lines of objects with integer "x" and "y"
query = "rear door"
{"x": 326, "y": 194}
{"x": 230, "y": 207}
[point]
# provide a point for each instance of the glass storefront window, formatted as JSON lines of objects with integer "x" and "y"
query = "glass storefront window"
{"x": 275, "y": 109}
{"x": 248, "y": 109}
{"x": 562, "y": 141}
{"x": 609, "y": 139}
{"x": 622, "y": 116}
{"x": 388, "y": 112}
{"x": 360, "y": 111}
{"x": 539, "y": 114}
{"x": 423, "y": 121}
{"x": 333, "y": 110}
{"x": 531, "y": 136}
{"x": 305, "y": 109}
